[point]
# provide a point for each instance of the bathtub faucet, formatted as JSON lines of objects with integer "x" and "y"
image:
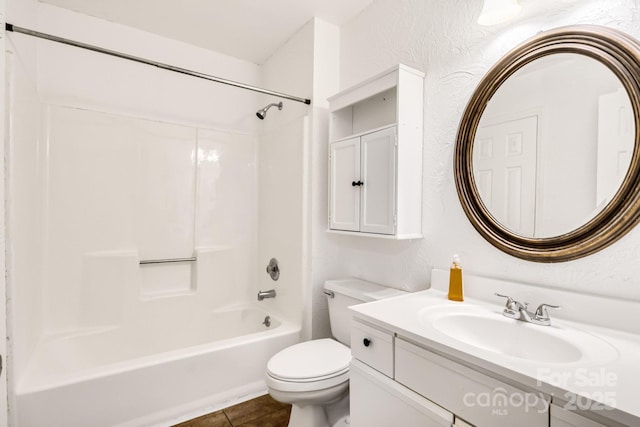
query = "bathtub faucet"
{"x": 271, "y": 293}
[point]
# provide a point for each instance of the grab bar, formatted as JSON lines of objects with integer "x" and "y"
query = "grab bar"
{"x": 163, "y": 261}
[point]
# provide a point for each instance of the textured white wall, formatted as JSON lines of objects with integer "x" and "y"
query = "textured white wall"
{"x": 284, "y": 135}
{"x": 326, "y": 83}
{"x": 293, "y": 171}
{"x": 443, "y": 39}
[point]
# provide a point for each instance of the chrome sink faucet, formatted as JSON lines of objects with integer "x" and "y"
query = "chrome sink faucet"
{"x": 520, "y": 311}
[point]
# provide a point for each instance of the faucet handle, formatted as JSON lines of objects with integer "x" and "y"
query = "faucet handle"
{"x": 513, "y": 308}
{"x": 542, "y": 313}
{"x": 510, "y": 301}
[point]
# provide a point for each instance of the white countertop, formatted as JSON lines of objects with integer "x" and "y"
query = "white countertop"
{"x": 607, "y": 380}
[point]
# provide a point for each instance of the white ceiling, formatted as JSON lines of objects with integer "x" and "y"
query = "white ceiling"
{"x": 248, "y": 29}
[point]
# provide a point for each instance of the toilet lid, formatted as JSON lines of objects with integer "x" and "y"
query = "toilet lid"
{"x": 310, "y": 360}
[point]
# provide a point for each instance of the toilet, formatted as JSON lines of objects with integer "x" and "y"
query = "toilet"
{"x": 313, "y": 376}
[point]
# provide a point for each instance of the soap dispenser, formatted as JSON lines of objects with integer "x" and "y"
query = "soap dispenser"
{"x": 455, "y": 280}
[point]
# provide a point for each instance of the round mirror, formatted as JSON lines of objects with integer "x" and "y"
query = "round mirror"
{"x": 553, "y": 145}
{"x": 546, "y": 157}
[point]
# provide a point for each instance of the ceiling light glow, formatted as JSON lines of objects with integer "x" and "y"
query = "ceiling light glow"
{"x": 498, "y": 11}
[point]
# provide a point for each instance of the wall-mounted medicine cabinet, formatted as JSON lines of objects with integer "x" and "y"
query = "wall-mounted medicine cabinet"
{"x": 375, "y": 156}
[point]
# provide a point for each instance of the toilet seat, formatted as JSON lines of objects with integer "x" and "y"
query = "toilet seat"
{"x": 311, "y": 365}
{"x": 298, "y": 387}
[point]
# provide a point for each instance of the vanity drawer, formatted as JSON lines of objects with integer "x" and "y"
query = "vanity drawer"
{"x": 372, "y": 346}
{"x": 474, "y": 397}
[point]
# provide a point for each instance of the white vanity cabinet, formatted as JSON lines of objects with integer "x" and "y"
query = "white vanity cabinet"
{"x": 375, "y": 156}
{"x": 488, "y": 370}
{"x": 376, "y": 400}
{"x": 397, "y": 382}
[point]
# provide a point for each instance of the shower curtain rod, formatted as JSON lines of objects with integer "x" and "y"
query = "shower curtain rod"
{"x": 16, "y": 29}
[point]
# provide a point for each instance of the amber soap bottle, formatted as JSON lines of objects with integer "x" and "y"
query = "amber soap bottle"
{"x": 455, "y": 280}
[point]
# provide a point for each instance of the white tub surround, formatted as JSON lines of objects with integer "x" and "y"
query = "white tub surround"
{"x": 110, "y": 163}
{"x": 146, "y": 342}
{"x": 593, "y": 379}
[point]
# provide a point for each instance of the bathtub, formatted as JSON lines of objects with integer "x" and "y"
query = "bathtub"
{"x": 152, "y": 374}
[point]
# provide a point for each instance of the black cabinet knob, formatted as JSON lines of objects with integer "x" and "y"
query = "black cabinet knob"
{"x": 356, "y": 183}
{"x": 366, "y": 342}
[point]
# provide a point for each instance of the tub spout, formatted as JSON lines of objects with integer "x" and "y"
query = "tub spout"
{"x": 271, "y": 293}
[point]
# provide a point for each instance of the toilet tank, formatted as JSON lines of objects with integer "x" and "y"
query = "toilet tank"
{"x": 347, "y": 292}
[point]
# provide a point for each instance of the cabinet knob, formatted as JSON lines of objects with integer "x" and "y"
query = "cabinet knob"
{"x": 366, "y": 342}
{"x": 356, "y": 183}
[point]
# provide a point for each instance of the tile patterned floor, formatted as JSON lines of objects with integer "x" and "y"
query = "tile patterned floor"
{"x": 262, "y": 411}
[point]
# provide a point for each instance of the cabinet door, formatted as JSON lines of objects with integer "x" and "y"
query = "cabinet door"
{"x": 378, "y": 401}
{"x": 344, "y": 197}
{"x": 378, "y": 156}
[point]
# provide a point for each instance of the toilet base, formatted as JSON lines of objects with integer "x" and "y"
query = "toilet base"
{"x": 308, "y": 416}
{"x": 343, "y": 422}
{"x": 338, "y": 412}
{"x": 335, "y": 414}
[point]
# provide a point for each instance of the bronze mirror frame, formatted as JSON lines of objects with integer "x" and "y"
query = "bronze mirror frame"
{"x": 621, "y": 54}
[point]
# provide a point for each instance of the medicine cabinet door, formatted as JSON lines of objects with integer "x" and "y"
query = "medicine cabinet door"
{"x": 378, "y": 190}
{"x": 344, "y": 197}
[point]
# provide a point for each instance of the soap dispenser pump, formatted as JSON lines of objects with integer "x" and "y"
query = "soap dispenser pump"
{"x": 455, "y": 280}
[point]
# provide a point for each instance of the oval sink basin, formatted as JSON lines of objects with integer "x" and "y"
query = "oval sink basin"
{"x": 488, "y": 330}
{"x": 514, "y": 338}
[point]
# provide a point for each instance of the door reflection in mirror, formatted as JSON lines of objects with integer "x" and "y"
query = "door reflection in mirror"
{"x": 553, "y": 145}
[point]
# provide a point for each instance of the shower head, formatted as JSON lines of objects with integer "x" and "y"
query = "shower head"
{"x": 262, "y": 113}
